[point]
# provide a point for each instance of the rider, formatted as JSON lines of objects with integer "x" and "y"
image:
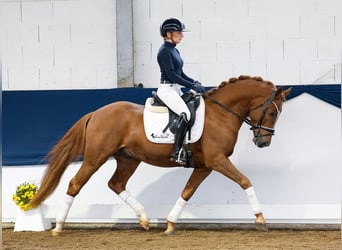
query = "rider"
{"x": 171, "y": 81}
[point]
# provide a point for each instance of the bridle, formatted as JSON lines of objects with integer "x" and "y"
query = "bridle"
{"x": 259, "y": 125}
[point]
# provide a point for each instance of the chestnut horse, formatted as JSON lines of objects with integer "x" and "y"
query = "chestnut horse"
{"x": 117, "y": 130}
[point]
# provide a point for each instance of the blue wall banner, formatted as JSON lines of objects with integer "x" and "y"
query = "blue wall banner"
{"x": 34, "y": 121}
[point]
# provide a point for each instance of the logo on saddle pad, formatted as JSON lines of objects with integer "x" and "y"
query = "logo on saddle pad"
{"x": 160, "y": 123}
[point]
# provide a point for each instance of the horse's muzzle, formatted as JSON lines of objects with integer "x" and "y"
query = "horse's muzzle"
{"x": 261, "y": 142}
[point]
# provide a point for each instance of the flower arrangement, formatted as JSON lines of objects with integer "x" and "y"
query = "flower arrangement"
{"x": 24, "y": 195}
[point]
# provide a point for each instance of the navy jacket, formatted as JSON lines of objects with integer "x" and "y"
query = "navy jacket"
{"x": 171, "y": 65}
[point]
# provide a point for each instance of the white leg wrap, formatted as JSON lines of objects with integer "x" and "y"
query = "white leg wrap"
{"x": 65, "y": 208}
{"x": 176, "y": 210}
{"x": 253, "y": 200}
{"x": 132, "y": 202}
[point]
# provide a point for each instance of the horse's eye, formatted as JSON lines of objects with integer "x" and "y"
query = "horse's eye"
{"x": 272, "y": 114}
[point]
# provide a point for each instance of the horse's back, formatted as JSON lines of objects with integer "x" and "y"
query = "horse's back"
{"x": 120, "y": 106}
{"x": 119, "y": 126}
{"x": 116, "y": 118}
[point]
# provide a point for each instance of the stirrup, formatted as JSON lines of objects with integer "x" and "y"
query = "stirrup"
{"x": 179, "y": 157}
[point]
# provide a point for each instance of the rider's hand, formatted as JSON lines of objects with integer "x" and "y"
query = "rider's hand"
{"x": 197, "y": 86}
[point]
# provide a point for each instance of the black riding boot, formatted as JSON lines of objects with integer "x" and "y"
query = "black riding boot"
{"x": 179, "y": 154}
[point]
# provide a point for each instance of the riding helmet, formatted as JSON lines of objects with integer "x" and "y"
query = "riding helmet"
{"x": 170, "y": 25}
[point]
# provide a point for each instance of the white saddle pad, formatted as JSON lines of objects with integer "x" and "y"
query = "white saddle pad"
{"x": 156, "y": 119}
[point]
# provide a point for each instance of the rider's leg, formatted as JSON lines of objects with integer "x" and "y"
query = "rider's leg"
{"x": 179, "y": 155}
{"x": 170, "y": 95}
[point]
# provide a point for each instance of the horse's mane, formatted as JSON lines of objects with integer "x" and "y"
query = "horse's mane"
{"x": 237, "y": 79}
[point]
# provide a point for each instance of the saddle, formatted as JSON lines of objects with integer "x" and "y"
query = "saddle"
{"x": 191, "y": 100}
{"x": 157, "y": 121}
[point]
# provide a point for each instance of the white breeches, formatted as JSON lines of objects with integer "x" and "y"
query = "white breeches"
{"x": 170, "y": 94}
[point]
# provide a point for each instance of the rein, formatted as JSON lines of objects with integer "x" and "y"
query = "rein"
{"x": 259, "y": 125}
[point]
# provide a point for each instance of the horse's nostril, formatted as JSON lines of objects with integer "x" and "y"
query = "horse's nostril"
{"x": 261, "y": 144}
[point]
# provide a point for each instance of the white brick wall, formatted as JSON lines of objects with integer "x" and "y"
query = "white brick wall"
{"x": 285, "y": 41}
{"x": 67, "y": 44}
{"x": 276, "y": 8}
{"x": 317, "y": 26}
{"x": 72, "y": 43}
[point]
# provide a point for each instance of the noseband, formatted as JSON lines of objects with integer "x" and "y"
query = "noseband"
{"x": 259, "y": 125}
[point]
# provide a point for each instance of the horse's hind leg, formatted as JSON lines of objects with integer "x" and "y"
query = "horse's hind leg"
{"x": 124, "y": 170}
{"x": 87, "y": 169}
{"x": 196, "y": 178}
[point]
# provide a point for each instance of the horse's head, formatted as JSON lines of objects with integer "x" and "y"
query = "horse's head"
{"x": 264, "y": 113}
{"x": 253, "y": 101}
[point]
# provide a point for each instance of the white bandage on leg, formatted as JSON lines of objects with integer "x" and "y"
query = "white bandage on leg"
{"x": 253, "y": 200}
{"x": 68, "y": 200}
{"x": 176, "y": 210}
{"x": 132, "y": 202}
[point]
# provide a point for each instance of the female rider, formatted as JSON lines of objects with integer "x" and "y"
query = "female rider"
{"x": 171, "y": 81}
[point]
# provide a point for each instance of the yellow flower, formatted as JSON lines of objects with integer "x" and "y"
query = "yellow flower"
{"x": 25, "y": 207}
{"x": 24, "y": 194}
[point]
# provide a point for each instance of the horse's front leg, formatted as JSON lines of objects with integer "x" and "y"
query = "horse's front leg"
{"x": 225, "y": 167}
{"x": 196, "y": 178}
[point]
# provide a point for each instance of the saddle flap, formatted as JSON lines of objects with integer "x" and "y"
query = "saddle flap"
{"x": 156, "y": 118}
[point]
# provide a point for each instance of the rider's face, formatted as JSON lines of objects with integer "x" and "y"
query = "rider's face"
{"x": 175, "y": 37}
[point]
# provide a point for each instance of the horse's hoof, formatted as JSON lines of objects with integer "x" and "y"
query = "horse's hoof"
{"x": 55, "y": 232}
{"x": 169, "y": 233}
{"x": 145, "y": 224}
{"x": 262, "y": 227}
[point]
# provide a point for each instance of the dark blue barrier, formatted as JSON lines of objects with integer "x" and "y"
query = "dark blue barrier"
{"x": 330, "y": 93}
{"x": 33, "y": 121}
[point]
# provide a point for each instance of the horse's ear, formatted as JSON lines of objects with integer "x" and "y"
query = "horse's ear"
{"x": 282, "y": 94}
{"x": 287, "y": 92}
{"x": 278, "y": 91}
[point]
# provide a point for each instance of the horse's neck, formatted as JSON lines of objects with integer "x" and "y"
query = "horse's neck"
{"x": 236, "y": 98}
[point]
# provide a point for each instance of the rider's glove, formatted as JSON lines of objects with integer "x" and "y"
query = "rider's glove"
{"x": 197, "y": 86}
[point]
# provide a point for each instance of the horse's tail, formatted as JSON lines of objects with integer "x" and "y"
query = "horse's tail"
{"x": 69, "y": 148}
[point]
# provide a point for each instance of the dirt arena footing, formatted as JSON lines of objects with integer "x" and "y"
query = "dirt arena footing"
{"x": 202, "y": 226}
